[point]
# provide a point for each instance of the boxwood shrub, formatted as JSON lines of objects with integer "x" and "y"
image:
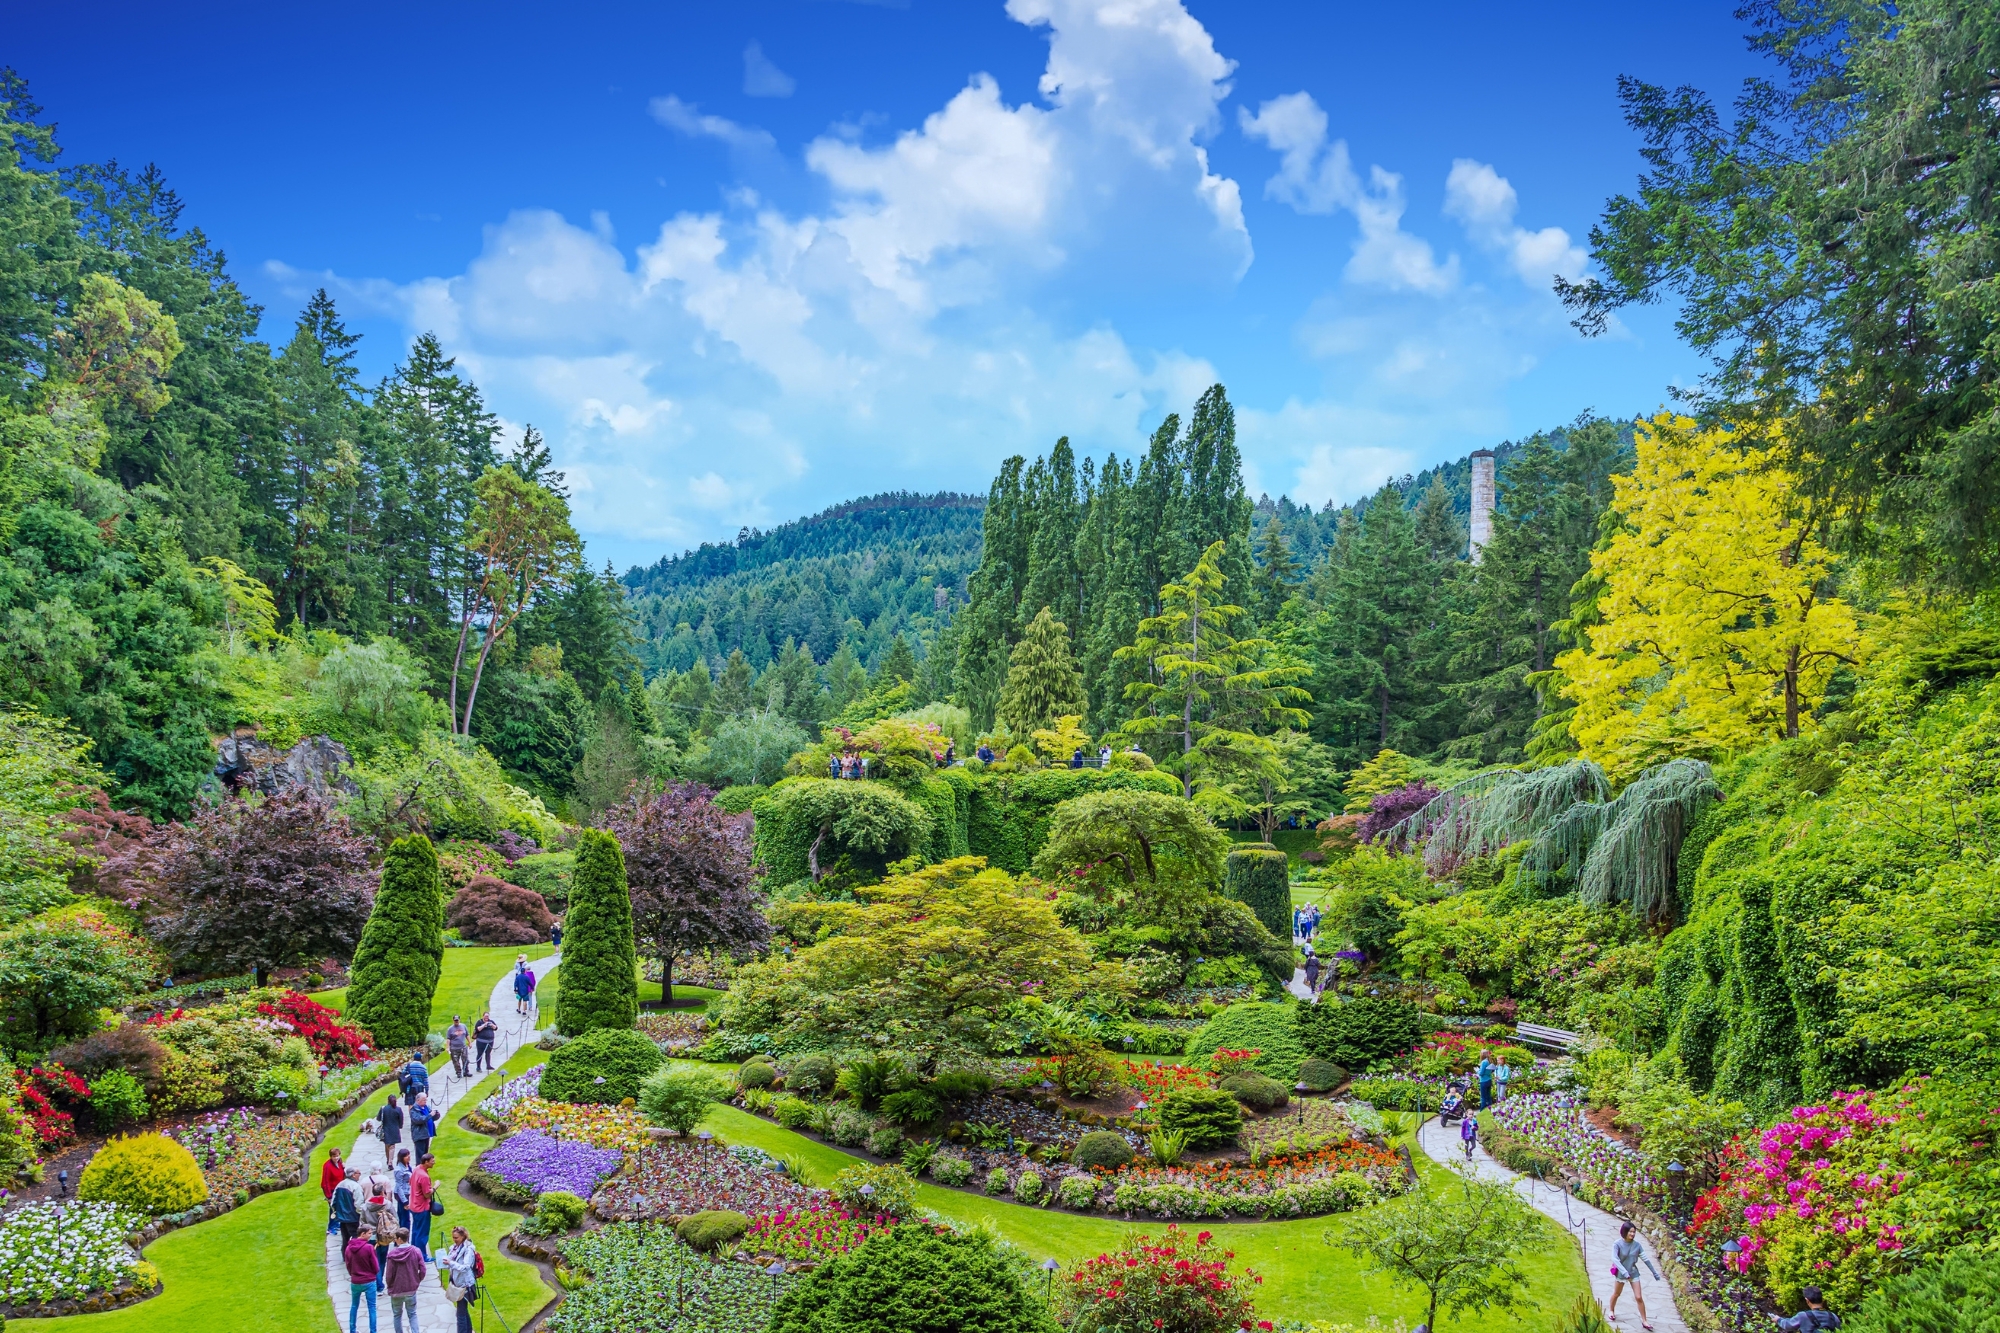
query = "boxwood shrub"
{"x": 1267, "y": 1028}
{"x": 620, "y": 1057}
{"x": 1101, "y": 1147}
{"x": 1208, "y": 1116}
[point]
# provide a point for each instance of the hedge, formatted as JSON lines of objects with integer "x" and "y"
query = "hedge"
{"x": 1357, "y": 1033}
{"x": 1008, "y": 813}
{"x": 870, "y": 822}
{"x": 1266, "y": 1028}
{"x": 1256, "y": 876}
{"x": 622, "y": 1058}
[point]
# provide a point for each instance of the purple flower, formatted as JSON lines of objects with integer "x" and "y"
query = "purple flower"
{"x": 541, "y": 1163}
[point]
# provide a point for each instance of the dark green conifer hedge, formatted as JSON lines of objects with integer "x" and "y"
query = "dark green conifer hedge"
{"x": 1256, "y": 876}
{"x": 600, "y": 963}
{"x": 396, "y": 965}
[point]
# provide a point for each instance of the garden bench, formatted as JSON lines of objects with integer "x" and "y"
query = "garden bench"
{"x": 1534, "y": 1034}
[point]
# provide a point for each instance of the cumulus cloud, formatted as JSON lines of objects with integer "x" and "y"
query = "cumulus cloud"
{"x": 687, "y": 118}
{"x": 1484, "y": 201}
{"x": 1315, "y": 176}
{"x": 761, "y": 78}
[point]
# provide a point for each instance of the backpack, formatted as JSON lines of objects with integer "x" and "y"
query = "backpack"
{"x": 478, "y": 1264}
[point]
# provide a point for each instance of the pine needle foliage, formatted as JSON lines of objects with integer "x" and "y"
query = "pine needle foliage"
{"x": 396, "y": 965}
{"x": 600, "y": 981}
{"x": 1616, "y": 849}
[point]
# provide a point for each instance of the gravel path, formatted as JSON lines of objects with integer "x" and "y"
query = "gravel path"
{"x": 446, "y": 1091}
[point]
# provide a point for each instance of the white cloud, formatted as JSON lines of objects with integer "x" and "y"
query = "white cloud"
{"x": 1317, "y": 177}
{"x": 1485, "y": 203}
{"x": 761, "y": 78}
{"x": 686, "y": 118}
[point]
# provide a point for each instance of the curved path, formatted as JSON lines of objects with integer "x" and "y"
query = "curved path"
{"x": 446, "y": 1091}
{"x": 1594, "y": 1230}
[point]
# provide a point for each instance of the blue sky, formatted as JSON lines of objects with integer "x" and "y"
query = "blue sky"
{"x": 741, "y": 261}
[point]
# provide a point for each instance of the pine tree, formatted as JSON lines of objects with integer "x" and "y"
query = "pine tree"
{"x": 899, "y": 663}
{"x": 1276, "y": 572}
{"x": 1440, "y": 536}
{"x": 1042, "y": 680}
{"x": 600, "y": 965}
{"x": 732, "y": 689}
{"x": 1375, "y": 686}
{"x": 989, "y": 625}
{"x": 397, "y": 964}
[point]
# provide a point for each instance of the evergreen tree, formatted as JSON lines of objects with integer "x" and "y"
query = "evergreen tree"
{"x": 1440, "y": 536}
{"x": 600, "y": 965}
{"x": 1276, "y": 572}
{"x": 732, "y": 689}
{"x": 846, "y": 679}
{"x": 397, "y": 964}
{"x": 899, "y": 663}
{"x": 989, "y": 625}
{"x": 1042, "y": 680}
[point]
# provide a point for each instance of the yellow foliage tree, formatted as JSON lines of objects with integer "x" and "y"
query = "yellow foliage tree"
{"x": 1718, "y": 627}
{"x": 1059, "y": 742}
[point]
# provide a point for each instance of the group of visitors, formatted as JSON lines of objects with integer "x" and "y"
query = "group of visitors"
{"x": 853, "y": 767}
{"x": 481, "y": 1034}
{"x": 391, "y": 1262}
{"x": 1305, "y": 922}
{"x": 385, "y": 1232}
{"x": 524, "y": 977}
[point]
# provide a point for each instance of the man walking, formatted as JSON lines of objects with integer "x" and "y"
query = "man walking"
{"x": 1312, "y": 971}
{"x": 405, "y": 1280}
{"x": 454, "y": 1041}
{"x": 524, "y": 984}
{"x": 422, "y": 1193}
{"x": 483, "y": 1033}
{"x": 346, "y": 1205}
{"x": 423, "y": 1125}
{"x": 413, "y": 1078}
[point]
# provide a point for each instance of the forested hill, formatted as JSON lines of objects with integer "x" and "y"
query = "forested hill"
{"x": 863, "y": 572}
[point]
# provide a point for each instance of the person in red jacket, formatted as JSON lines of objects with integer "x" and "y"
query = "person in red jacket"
{"x": 405, "y": 1279}
{"x": 330, "y": 1177}
{"x": 363, "y": 1271}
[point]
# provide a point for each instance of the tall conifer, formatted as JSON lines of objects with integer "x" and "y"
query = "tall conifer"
{"x": 396, "y": 966}
{"x": 1042, "y": 680}
{"x": 600, "y": 964}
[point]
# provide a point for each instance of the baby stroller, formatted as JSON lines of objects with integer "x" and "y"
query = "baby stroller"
{"x": 1453, "y": 1106}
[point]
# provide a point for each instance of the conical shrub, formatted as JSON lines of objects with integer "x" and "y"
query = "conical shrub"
{"x": 396, "y": 965}
{"x": 600, "y": 963}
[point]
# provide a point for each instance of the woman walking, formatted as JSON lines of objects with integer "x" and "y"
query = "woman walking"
{"x": 483, "y": 1033}
{"x": 1625, "y": 1271}
{"x": 524, "y": 984}
{"x": 461, "y": 1267}
{"x": 400, "y": 1180}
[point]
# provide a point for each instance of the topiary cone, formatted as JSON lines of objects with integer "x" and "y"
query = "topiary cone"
{"x": 600, "y": 962}
{"x": 401, "y": 954}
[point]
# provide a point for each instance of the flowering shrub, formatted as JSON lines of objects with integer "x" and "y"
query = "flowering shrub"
{"x": 1459, "y": 1053}
{"x": 1155, "y": 1082}
{"x": 1835, "y": 1194}
{"x": 811, "y": 1233}
{"x": 1554, "y": 1123}
{"x": 49, "y": 1251}
{"x": 1173, "y": 1282}
{"x": 1229, "y": 1063}
{"x": 540, "y": 1163}
{"x": 46, "y": 1090}
{"x": 691, "y": 1176}
{"x": 501, "y": 1104}
{"x": 580, "y": 1122}
{"x": 333, "y": 1044}
{"x": 632, "y": 1271}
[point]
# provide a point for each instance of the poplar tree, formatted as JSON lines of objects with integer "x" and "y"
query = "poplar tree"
{"x": 397, "y": 964}
{"x": 1042, "y": 680}
{"x": 600, "y": 963}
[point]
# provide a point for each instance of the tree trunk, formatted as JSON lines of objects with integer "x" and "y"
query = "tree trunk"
{"x": 1792, "y": 692}
{"x": 667, "y": 980}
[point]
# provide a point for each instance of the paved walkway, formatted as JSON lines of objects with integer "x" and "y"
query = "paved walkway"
{"x": 367, "y": 1154}
{"x": 1595, "y": 1231}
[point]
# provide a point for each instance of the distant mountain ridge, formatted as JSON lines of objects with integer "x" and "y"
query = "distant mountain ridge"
{"x": 868, "y": 569}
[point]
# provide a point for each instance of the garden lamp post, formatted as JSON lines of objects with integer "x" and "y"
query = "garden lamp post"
{"x": 1049, "y": 1294}
{"x": 776, "y": 1270}
{"x": 1676, "y": 1182}
{"x": 1730, "y": 1249}
{"x": 1301, "y": 1091}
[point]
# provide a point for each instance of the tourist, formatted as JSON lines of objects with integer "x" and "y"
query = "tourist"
{"x": 400, "y": 1178}
{"x": 1076, "y": 760}
{"x": 1815, "y": 1315}
{"x": 389, "y": 1127}
{"x": 1468, "y": 1137}
{"x": 1298, "y": 923}
{"x": 1312, "y": 970}
{"x": 1501, "y": 1074}
{"x": 413, "y": 1078}
{"x": 379, "y": 1221}
{"x": 423, "y": 1204}
{"x": 555, "y": 935}
{"x": 423, "y": 1124}
{"x": 833, "y": 765}
{"x": 454, "y": 1042}
{"x": 1626, "y": 1255}
{"x": 461, "y": 1261}
{"x": 364, "y": 1275}
{"x": 405, "y": 1279}
{"x": 950, "y": 754}
{"x": 345, "y": 1206}
{"x": 1453, "y": 1105}
{"x": 984, "y": 753}
{"x": 524, "y": 984}
{"x": 1104, "y": 756}
{"x": 1485, "y": 1073}
{"x": 483, "y": 1033}
{"x": 330, "y": 1176}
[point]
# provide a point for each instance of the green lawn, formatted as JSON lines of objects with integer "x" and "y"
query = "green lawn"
{"x": 1304, "y": 1278}
{"x": 466, "y": 983}
{"x": 261, "y": 1268}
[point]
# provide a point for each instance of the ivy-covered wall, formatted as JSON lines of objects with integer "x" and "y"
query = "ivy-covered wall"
{"x": 1008, "y": 815}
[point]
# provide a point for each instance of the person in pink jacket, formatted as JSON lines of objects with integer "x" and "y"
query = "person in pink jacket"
{"x": 362, "y": 1273}
{"x": 405, "y": 1278}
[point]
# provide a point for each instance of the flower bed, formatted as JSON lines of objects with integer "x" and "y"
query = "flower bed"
{"x": 811, "y": 1233}
{"x": 243, "y": 1149}
{"x": 1330, "y": 1180}
{"x": 688, "y": 1176}
{"x": 1554, "y": 1123}
{"x": 1156, "y": 1081}
{"x": 598, "y": 1126}
{"x": 1031, "y": 1124}
{"x": 500, "y": 1106}
{"x": 638, "y": 1276}
{"x": 334, "y": 1045}
{"x": 1307, "y": 1125}
{"x": 674, "y": 1033}
{"x": 59, "y": 1251}
{"x": 538, "y": 1162}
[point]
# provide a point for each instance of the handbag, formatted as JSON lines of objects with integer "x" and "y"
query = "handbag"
{"x": 453, "y": 1294}
{"x": 437, "y": 1206}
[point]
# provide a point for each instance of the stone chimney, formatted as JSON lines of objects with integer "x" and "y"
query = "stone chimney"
{"x": 1482, "y": 501}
